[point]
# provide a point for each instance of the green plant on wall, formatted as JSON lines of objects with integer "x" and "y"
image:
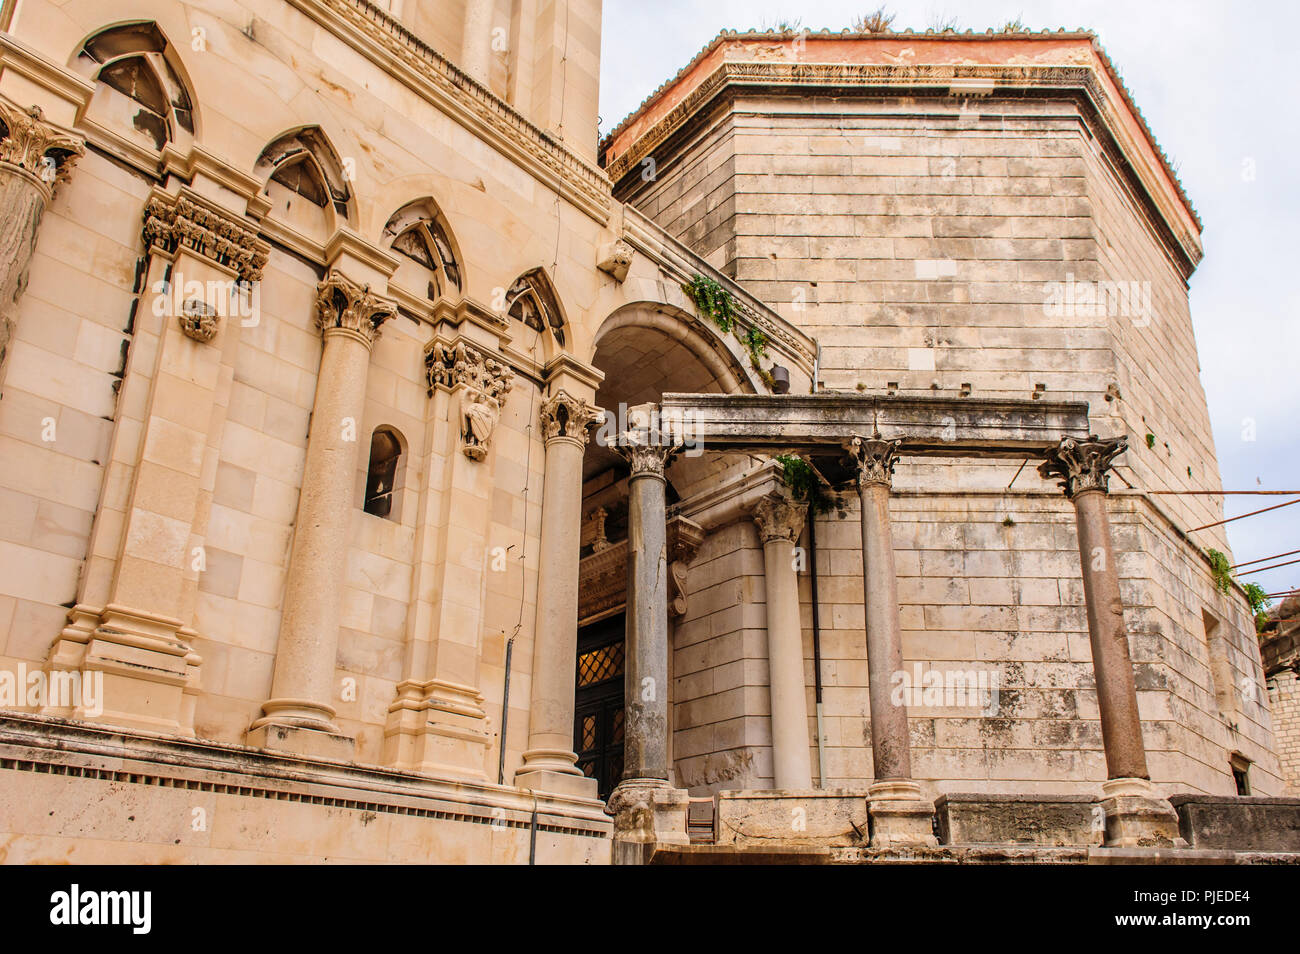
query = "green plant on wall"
{"x": 713, "y": 301}
{"x": 1259, "y": 604}
{"x": 716, "y": 303}
{"x": 1220, "y": 569}
{"x": 806, "y": 484}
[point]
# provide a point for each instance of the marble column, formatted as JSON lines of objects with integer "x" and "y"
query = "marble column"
{"x": 1134, "y": 815}
{"x": 780, "y": 520}
{"x": 549, "y": 761}
{"x": 299, "y": 716}
{"x": 899, "y": 815}
{"x": 35, "y": 155}
{"x": 645, "y": 806}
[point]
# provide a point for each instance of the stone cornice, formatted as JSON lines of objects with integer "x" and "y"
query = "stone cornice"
{"x": 76, "y": 91}
{"x": 186, "y": 220}
{"x": 940, "y": 80}
{"x": 379, "y": 37}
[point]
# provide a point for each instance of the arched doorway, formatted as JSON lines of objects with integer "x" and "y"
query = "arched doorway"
{"x": 644, "y": 352}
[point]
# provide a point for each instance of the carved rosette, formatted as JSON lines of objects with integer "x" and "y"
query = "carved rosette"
{"x": 779, "y": 518}
{"x": 173, "y": 222}
{"x": 565, "y": 416}
{"x": 343, "y": 304}
{"x": 199, "y": 321}
{"x": 1082, "y": 464}
{"x": 37, "y": 146}
{"x": 875, "y": 459}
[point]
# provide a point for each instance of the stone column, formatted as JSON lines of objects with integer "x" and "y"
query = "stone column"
{"x": 1134, "y": 815}
{"x": 35, "y": 155}
{"x": 645, "y": 806}
{"x": 298, "y": 716}
{"x": 780, "y": 521}
{"x": 476, "y": 40}
{"x": 899, "y": 815}
{"x": 549, "y": 760}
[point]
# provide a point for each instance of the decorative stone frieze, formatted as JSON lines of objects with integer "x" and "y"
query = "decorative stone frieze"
{"x": 1082, "y": 464}
{"x": 37, "y": 146}
{"x": 875, "y": 459}
{"x": 566, "y": 416}
{"x": 343, "y": 304}
{"x": 174, "y": 222}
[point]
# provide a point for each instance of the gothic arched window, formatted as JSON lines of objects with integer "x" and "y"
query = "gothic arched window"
{"x": 382, "y": 474}
{"x": 132, "y": 60}
{"x": 420, "y": 233}
{"x": 532, "y": 301}
{"x": 304, "y": 162}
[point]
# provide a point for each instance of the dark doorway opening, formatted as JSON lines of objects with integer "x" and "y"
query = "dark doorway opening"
{"x": 598, "y": 711}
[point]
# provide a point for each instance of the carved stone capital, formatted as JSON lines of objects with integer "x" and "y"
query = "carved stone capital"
{"x": 646, "y": 459}
{"x": 875, "y": 459}
{"x": 172, "y": 222}
{"x": 779, "y": 518}
{"x": 615, "y": 259}
{"x": 566, "y": 416}
{"x": 1082, "y": 464}
{"x": 342, "y": 303}
{"x": 37, "y": 146}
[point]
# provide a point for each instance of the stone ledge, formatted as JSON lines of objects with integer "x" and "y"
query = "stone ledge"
{"x": 55, "y": 746}
{"x": 1240, "y": 823}
{"x": 1039, "y": 820}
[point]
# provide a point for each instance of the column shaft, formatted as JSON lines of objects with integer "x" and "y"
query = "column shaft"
{"x": 1121, "y": 729}
{"x": 645, "y": 748}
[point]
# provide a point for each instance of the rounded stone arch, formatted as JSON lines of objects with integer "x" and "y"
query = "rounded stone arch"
{"x": 705, "y": 343}
{"x": 421, "y": 234}
{"x": 304, "y": 162}
{"x": 134, "y": 61}
{"x": 537, "y": 316}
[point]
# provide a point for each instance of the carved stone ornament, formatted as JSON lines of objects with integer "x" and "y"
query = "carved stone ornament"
{"x": 1082, "y": 464}
{"x": 198, "y": 320}
{"x": 37, "y": 146}
{"x": 779, "y": 518}
{"x": 875, "y": 459}
{"x": 342, "y": 303}
{"x": 176, "y": 222}
{"x": 566, "y": 416}
{"x": 615, "y": 259}
{"x": 483, "y": 382}
{"x": 651, "y": 459}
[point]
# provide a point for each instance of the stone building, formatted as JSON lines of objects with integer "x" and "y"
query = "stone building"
{"x": 317, "y": 544}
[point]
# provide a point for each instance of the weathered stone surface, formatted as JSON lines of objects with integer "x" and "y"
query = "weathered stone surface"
{"x": 1043, "y": 820}
{"x": 1241, "y": 823}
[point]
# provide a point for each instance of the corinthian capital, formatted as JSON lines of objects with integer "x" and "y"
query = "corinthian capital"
{"x": 37, "y": 146}
{"x": 875, "y": 459}
{"x": 342, "y": 303}
{"x": 566, "y": 416}
{"x": 1082, "y": 464}
{"x": 172, "y": 222}
{"x": 779, "y": 518}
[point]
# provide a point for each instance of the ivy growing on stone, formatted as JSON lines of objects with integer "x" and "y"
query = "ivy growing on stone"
{"x": 806, "y": 484}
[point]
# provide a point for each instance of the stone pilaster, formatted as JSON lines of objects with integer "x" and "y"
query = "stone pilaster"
{"x": 35, "y": 156}
{"x": 1135, "y": 815}
{"x": 549, "y": 762}
{"x": 134, "y": 617}
{"x": 645, "y": 805}
{"x": 780, "y": 520}
{"x": 299, "y": 715}
{"x": 899, "y": 815}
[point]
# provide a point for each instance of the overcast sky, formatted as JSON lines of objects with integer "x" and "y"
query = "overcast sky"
{"x": 1216, "y": 84}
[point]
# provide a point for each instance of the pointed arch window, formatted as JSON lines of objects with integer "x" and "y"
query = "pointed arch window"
{"x": 304, "y": 162}
{"x": 133, "y": 60}
{"x": 531, "y": 301}
{"x": 419, "y": 232}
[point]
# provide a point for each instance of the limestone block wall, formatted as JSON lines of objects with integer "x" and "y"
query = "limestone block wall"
{"x": 1284, "y": 701}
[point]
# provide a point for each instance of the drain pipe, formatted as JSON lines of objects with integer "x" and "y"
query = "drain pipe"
{"x": 817, "y": 647}
{"x": 505, "y": 714}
